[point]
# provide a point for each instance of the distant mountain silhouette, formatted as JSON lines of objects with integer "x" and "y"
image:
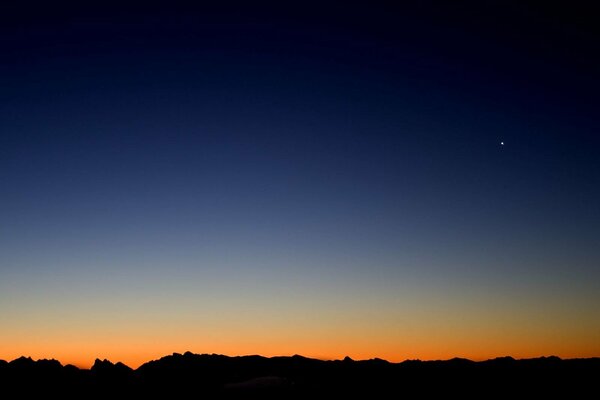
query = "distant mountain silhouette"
{"x": 297, "y": 376}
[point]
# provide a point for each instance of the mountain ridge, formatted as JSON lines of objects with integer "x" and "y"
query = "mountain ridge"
{"x": 216, "y": 375}
{"x": 103, "y": 363}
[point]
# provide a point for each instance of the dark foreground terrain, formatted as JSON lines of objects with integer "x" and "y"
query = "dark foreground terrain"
{"x": 199, "y": 376}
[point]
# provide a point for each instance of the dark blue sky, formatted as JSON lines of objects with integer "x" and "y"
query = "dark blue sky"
{"x": 337, "y": 146}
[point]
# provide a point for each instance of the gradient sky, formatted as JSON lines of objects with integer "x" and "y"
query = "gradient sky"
{"x": 326, "y": 181}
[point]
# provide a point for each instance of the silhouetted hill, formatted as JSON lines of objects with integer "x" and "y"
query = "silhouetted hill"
{"x": 297, "y": 376}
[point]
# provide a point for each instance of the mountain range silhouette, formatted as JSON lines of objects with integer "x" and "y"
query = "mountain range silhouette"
{"x": 300, "y": 377}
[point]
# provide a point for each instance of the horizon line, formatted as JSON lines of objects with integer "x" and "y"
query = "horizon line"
{"x": 345, "y": 359}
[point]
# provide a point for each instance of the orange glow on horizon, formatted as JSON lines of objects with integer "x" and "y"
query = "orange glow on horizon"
{"x": 137, "y": 354}
{"x": 394, "y": 326}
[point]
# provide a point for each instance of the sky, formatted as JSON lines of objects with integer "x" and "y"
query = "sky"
{"x": 357, "y": 179}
